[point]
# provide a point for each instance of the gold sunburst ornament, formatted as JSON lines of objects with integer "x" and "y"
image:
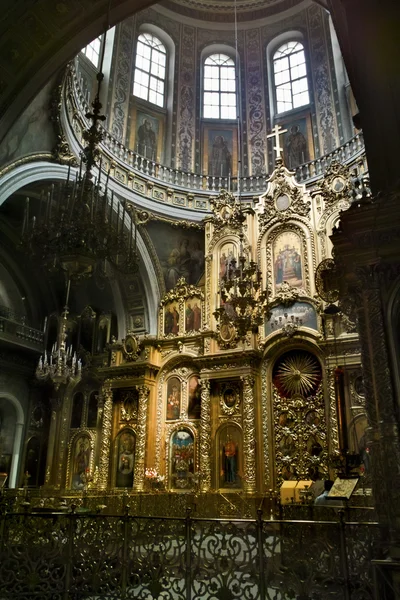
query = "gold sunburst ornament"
{"x": 297, "y": 373}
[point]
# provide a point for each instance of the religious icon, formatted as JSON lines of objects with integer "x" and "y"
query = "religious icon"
{"x": 80, "y": 462}
{"x": 230, "y": 441}
{"x": 173, "y": 399}
{"x": 193, "y": 315}
{"x": 314, "y": 445}
{"x": 129, "y": 405}
{"x": 287, "y": 445}
{"x": 220, "y": 163}
{"x": 312, "y": 418}
{"x": 182, "y": 459}
{"x": 146, "y": 136}
{"x": 125, "y": 459}
{"x": 171, "y": 319}
{"x": 227, "y": 332}
{"x": 230, "y": 397}
{"x": 285, "y": 419}
{"x": 227, "y": 261}
{"x": 288, "y": 260}
{"x": 194, "y": 405}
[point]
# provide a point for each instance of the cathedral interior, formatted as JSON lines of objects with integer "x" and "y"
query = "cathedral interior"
{"x": 199, "y": 300}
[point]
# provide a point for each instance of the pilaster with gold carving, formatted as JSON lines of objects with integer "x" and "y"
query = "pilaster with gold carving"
{"x": 249, "y": 434}
{"x": 205, "y": 436}
{"x": 138, "y": 481}
{"x": 104, "y": 466}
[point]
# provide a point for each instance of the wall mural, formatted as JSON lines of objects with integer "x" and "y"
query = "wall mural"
{"x": 181, "y": 253}
{"x": 182, "y": 459}
{"x": 288, "y": 262}
{"x": 220, "y": 151}
{"x": 148, "y": 135}
{"x": 297, "y": 142}
{"x": 125, "y": 459}
{"x": 173, "y": 398}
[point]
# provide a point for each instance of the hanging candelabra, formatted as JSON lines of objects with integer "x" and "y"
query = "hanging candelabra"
{"x": 244, "y": 304}
{"x": 61, "y": 364}
{"x": 79, "y": 225}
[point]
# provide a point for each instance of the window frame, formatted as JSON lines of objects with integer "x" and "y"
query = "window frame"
{"x": 100, "y": 38}
{"x": 136, "y": 68}
{"x": 207, "y": 54}
{"x": 297, "y": 39}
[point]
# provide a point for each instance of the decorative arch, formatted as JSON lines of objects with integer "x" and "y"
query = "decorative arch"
{"x": 17, "y": 422}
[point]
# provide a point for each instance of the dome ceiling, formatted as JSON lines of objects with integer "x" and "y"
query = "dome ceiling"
{"x": 223, "y": 10}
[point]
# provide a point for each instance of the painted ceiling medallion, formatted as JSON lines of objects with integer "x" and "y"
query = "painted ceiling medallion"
{"x": 297, "y": 373}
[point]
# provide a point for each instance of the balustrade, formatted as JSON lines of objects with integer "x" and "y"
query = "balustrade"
{"x": 351, "y": 153}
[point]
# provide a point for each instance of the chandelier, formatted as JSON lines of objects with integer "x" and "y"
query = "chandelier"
{"x": 244, "y": 304}
{"x": 61, "y": 365}
{"x": 79, "y": 225}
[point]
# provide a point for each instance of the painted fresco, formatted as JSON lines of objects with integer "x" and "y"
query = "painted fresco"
{"x": 32, "y": 132}
{"x": 302, "y": 314}
{"x": 220, "y": 151}
{"x": 147, "y": 135}
{"x": 297, "y": 142}
{"x": 180, "y": 252}
{"x": 288, "y": 260}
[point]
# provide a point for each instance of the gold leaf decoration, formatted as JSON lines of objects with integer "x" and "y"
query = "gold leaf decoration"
{"x": 297, "y": 373}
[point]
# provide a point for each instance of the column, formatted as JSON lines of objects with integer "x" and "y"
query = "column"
{"x": 249, "y": 435}
{"x": 383, "y": 439}
{"x": 19, "y": 428}
{"x": 104, "y": 462}
{"x": 141, "y": 438}
{"x": 205, "y": 436}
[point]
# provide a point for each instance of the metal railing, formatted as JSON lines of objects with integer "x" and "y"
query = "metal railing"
{"x": 13, "y": 327}
{"x": 58, "y": 556}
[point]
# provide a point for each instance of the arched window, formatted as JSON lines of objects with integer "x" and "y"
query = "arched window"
{"x": 150, "y": 69}
{"x": 219, "y": 89}
{"x": 92, "y": 51}
{"x": 290, "y": 75}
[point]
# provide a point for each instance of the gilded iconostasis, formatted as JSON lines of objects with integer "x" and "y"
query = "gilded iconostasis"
{"x": 198, "y": 406}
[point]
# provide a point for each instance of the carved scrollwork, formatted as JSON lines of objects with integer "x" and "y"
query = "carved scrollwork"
{"x": 286, "y": 295}
{"x": 336, "y": 184}
{"x": 105, "y": 436}
{"x": 205, "y": 435}
{"x": 131, "y": 347}
{"x": 227, "y": 212}
{"x": 249, "y": 434}
{"x": 144, "y": 392}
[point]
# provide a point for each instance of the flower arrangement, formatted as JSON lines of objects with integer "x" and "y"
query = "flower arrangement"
{"x": 153, "y": 476}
